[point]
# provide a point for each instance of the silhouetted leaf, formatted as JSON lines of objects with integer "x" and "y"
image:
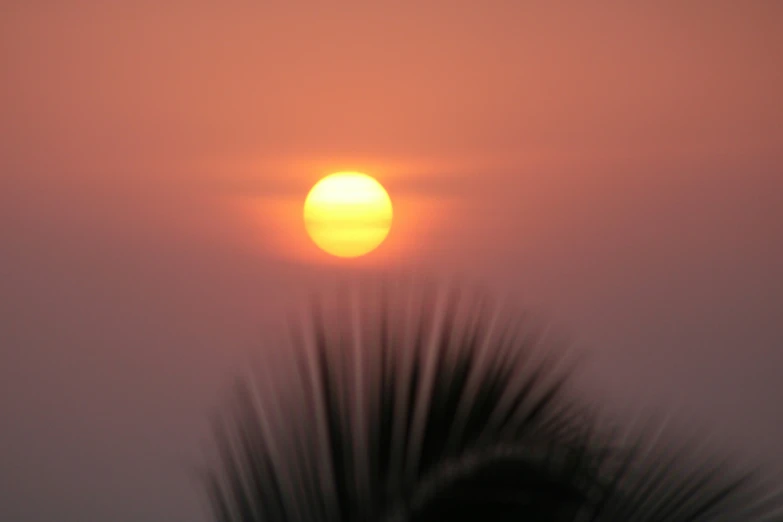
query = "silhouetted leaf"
{"x": 414, "y": 405}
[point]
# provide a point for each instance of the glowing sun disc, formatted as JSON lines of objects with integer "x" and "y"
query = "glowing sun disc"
{"x": 348, "y": 214}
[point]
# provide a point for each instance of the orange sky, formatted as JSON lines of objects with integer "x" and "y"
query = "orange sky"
{"x": 618, "y": 166}
{"x": 255, "y": 100}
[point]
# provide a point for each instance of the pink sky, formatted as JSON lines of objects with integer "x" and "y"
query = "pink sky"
{"x": 618, "y": 167}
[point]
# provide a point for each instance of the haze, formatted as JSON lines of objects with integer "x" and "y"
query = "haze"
{"x": 619, "y": 167}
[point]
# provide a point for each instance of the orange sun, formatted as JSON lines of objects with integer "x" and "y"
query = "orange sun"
{"x": 348, "y": 214}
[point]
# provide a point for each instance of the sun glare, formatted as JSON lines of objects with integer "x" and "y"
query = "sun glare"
{"x": 348, "y": 214}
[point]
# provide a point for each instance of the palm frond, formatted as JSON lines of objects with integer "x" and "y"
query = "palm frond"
{"x": 416, "y": 405}
{"x": 657, "y": 479}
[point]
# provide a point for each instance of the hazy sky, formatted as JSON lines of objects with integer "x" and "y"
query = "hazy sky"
{"x": 619, "y": 167}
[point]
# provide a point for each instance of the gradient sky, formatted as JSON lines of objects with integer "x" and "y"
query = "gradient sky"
{"x": 619, "y": 167}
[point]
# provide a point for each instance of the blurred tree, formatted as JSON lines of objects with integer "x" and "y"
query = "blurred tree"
{"x": 410, "y": 404}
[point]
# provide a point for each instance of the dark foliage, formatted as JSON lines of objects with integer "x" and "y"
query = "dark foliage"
{"x": 427, "y": 406}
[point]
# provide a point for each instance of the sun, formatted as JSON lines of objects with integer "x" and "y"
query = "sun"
{"x": 348, "y": 214}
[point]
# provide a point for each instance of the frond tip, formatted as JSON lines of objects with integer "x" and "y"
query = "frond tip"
{"x": 424, "y": 405}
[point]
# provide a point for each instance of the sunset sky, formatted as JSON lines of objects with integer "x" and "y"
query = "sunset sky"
{"x": 618, "y": 167}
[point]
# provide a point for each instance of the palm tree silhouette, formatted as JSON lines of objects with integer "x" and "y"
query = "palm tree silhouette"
{"x": 420, "y": 405}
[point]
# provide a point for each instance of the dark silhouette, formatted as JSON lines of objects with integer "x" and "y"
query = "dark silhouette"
{"x": 419, "y": 406}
